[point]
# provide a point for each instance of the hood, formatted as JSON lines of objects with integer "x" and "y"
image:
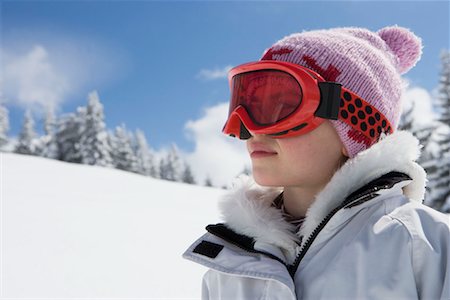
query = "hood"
{"x": 247, "y": 209}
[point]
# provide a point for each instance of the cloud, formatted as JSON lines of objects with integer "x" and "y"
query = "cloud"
{"x": 45, "y": 70}
{"x": 423, "y": 105}
{"x": 215, "y": 155}
{"x": 31, "y": 80}
{"x": 216, "y": 73}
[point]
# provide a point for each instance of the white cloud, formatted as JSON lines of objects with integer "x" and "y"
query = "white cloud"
{"x": 44, "y": 70}
{"x": 31, "y": 80}
{"x": 216, "y": 73}
{"x": 215, "y": 155}
{"x": 421, "y": 99}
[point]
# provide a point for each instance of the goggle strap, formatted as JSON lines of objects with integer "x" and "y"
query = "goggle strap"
{"x": 362, "y": 116}
{"x": 329, "y": 107}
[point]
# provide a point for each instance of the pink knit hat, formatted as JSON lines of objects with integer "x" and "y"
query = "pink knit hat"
{"x": 368, "y": 63}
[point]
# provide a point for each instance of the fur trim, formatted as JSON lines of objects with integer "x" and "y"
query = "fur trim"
{"x": 247, "y": 209}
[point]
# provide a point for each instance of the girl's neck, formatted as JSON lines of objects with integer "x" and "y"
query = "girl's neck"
{"x": 297, "y": 200}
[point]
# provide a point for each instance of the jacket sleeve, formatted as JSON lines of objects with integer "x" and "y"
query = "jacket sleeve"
{"x": 431, "y": 256}
{"x": 217, "y": 285}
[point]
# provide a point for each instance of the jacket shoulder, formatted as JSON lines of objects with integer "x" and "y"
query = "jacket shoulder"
{"x": 430, "y": 248}
{"x": 420, "y": 220}
{"x": 231, "y": 254}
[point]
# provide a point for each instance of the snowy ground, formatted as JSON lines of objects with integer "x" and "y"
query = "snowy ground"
{"x": 74, "y": 231}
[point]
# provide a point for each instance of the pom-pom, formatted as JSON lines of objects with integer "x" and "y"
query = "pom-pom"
{"x": 406, "y": 46}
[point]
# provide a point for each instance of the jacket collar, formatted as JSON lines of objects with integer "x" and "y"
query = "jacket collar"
{"x": 248, "y": 209}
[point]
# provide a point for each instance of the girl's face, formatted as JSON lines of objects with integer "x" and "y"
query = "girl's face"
{"x": 307, "y": 161}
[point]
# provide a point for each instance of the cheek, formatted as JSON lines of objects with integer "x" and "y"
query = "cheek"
{"x": 298, "y": 150}
{"x": 308, "y": 162}
{"x": 297, "y": 158}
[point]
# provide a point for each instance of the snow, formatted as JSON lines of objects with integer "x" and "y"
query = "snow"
{"x": 77, "y": 231}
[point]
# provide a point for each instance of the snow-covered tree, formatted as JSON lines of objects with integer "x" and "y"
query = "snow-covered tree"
{"x": 48, "y": 140}
{"x": 435, "y": 162}
{"x": 4, "y": 126}
{"x": 187, "y": 176}
{"x": 49, "y": 121}
{"x": 27, "y": 143}
{"x": 208, "y": 181}
{"x": 407, "y": 120}
{"x": 164, "y": 168}
{"x": 68, "y": 134}
{"x": 442, "y": 180}
{"x": 443, "y": 99}
{"x": 122, "y": 153}
{"x": 94, "y": 145}
{"x": 170, "y": 167}
{"x": 144, "y": 156}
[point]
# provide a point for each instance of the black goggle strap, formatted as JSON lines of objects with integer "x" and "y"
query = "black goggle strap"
{"x": 352, "y": 110}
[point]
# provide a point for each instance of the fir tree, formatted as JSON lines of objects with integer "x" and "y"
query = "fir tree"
{"x": 95, "y": 149}
{"x": 429, "y": 159}
{"x": 48, "y": 141}
{"x": 208, "y": 181}
{"x": 68, "y": 134}
{"x": 442, "y": 180}
{"x": 4, "y": 126}
{"x": 170, "y": 167}
{"x": 122, "y": 152}
{"x": 144, "y": 156}
{"x": 27, "y": 137}
{"x": 406, "y": 120}
{"x": 164, "y": 168}
{"x": 187, "y": 176}
{"x": 443, "y": 99}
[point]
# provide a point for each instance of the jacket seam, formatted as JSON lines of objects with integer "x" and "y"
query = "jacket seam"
{"x": 266, "y": 287}
{"x": 411, "y": 246}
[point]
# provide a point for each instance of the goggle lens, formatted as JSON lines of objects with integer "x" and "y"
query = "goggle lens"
{"x": 267, "y": 95}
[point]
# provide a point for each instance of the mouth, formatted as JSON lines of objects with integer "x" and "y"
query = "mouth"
{"x": 260, "y": 151}
{"x": 261, "y": 154}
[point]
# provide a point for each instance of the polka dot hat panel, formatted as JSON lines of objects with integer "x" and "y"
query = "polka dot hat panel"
{"x": 361, "y": 116}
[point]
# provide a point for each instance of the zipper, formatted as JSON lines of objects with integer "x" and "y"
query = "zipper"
{"x": 293, "y": 268}
{"x": 346, "y": 204}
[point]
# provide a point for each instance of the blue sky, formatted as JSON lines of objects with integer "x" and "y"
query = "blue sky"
{"x": 146, "y": 58}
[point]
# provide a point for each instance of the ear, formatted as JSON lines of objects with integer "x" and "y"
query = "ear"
{"x": 344, "y": 151}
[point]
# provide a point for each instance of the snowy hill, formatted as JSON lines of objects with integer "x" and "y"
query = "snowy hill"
{"x": 77, "y": 231}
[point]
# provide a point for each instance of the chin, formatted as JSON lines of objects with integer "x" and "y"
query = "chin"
{"x": 265, "y": 179}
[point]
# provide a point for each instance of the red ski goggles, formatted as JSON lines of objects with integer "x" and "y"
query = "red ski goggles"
{"x": 282, "y": 99}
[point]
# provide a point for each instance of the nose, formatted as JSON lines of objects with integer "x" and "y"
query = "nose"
{"x": 256, "y": 136}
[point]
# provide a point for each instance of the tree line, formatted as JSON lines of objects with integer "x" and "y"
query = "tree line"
{"x": 82, "y": 137}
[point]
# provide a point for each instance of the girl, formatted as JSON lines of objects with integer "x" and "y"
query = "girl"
{"x": 319, "y": 112}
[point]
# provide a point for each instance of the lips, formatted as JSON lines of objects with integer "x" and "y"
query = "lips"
{"x": 258, "y": 150}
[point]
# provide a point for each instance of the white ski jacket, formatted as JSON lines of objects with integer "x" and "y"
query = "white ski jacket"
{"x": 366, "y": 236}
